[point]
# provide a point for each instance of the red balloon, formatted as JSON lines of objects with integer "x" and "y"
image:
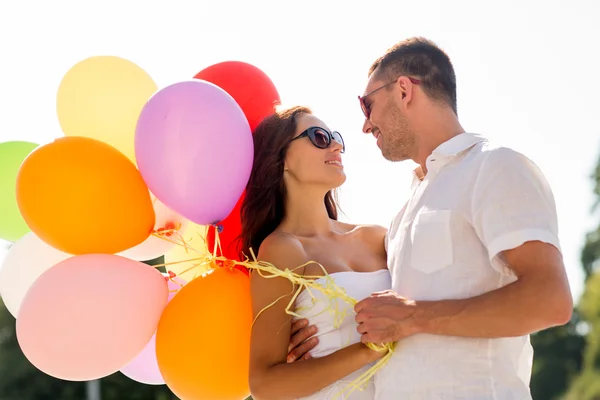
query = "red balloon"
{"x": 257, "y": 96}
{"x": 250, "y": 87}
{"x": 230, "y": 229}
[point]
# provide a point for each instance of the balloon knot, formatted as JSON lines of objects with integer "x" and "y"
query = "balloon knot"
{"x": 168, "y": 229}
{"x": 218, "y": 227}
{"x": 225, "y": 264}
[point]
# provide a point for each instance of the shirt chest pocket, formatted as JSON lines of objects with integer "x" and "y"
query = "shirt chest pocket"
{"x": 431, "y": 241}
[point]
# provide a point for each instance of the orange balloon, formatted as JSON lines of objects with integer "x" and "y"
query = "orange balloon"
{"x": 83, "y": 196}
{"x": 210, "y": 319}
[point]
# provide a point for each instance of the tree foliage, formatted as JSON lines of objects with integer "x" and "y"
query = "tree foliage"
{"x": 558, "y": 359}
{"x": 586, "y": 386}
{"x": 567, "y": 360}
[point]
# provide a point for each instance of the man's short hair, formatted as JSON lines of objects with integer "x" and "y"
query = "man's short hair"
{"x": 419, "y": 58}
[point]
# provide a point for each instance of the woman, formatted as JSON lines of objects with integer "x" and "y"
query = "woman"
{"x": 289, "y": 215}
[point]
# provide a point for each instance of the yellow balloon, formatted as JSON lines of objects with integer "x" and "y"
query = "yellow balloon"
{"x": 101, "y": 98}
{"x": 179, "y": 258}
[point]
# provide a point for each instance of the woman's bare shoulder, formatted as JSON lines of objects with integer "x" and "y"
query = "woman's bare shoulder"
{"x": 371, "y": 234}
{"x": 368, "y": 230}
{"x": 376, "y": 230}
{"x": 283, "y": 250}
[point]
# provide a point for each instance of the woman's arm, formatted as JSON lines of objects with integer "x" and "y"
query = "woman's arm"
{"x": 376, "y": 236}
{"x": 302, "y": 339}
{"x": 271, "y": 377}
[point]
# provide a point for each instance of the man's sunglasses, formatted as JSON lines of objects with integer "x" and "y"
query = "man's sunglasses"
{"x": 361, "y": 99}
{"x": 321, "y": 137}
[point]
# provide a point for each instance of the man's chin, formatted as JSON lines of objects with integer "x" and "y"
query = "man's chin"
{"x": 392, "y": 157}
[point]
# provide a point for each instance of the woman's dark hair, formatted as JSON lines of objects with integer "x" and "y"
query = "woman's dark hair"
{"x": 263, "y": 207}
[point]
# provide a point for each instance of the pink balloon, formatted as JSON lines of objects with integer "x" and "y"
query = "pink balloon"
{"x": 144, "y": 368}
{"x": 194, "y": 149}
{"x": 88, "y": 316}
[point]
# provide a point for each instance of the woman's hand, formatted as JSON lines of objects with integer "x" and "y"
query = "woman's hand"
{"x": 302, "y": 341}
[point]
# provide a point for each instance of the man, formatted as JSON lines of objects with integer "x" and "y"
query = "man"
{"x": 474, "y": 254}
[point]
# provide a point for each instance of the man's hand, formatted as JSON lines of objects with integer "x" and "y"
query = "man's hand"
{"x": 301, "y": 341}
{"x": 385, "y": 317}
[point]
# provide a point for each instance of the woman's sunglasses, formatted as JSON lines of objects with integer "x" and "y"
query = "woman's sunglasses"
{"x": 321, "y": 138}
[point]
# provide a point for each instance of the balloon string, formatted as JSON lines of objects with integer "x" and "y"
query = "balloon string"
{"x": 328, "y": 288}
{"x": 173, "y": 236}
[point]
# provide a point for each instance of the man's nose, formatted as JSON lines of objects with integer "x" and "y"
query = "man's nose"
{"x": 367, "y": 126}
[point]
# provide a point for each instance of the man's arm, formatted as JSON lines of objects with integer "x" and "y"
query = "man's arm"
{"x": 515, "y": 217}
{"x": 539, "y": 299}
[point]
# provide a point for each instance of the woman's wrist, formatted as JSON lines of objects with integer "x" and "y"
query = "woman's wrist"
{"x": 368, "y": 354}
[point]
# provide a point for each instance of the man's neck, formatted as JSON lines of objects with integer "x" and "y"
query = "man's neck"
{"x": 436, "y": 129}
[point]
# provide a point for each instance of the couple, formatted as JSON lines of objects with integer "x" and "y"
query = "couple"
{"x": 470, "y": 266}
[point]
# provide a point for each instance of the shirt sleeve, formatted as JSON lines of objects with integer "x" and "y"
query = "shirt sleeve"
{"x": 512, "y": 203}
{"x": 385, "y": 241}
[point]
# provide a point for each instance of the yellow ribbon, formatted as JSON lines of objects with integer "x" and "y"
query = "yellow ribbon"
{"x": 267, "y": 270}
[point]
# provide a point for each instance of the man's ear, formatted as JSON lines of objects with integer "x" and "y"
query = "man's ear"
{"x": 407, "y": 87}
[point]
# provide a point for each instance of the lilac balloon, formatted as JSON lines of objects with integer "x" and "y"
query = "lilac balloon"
{"x": 194, "y": 149}
{"x": 144, "y": 367}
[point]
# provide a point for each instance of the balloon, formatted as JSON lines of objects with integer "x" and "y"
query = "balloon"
{"x": 194, "y": 149}
{"x": 12, "y": 154}
{"x": 229, "y": 231}
{"x": 211, "y": 316}
{"x": 26, "y": 260}
{"x": 90, "y": 315}
{"x": 251, "y": 88}
{"x": 169, "y": 225}
{"x": 82, "y": 196}
{"x": 101, "y": 98}
{"x": 144, "y": 367}
{"x": 177, "y": 259}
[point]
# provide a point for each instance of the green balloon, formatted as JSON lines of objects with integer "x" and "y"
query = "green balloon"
{"x": 12, "y": 154}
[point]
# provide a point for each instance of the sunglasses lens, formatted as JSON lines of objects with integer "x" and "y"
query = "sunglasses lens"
{"x": 337, "y": 137}
{"x": 320, "y": 138}
{"x": 363, "y": 107}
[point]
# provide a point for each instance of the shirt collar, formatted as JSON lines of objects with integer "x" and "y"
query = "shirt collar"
{"x": 457, "y": 144}
{"x": 446, "y": 152}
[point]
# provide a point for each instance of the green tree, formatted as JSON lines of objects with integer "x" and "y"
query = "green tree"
{"x": 557, "y": 360}
{"x": 590, "y": 255}
{"x": 586, "y": 386}
{"x": 567, "y": 363}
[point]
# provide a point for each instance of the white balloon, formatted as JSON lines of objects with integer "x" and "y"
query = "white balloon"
{"x": 154, "y": 247}
{"x": 27, "y": 259}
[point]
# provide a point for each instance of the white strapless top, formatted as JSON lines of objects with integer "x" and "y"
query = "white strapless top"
{"x": 312, "y": 304}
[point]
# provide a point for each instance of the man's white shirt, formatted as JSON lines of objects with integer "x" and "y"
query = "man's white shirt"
{"x": 475, "y": 201}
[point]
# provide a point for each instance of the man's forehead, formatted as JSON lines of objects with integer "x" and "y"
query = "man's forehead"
{"x": 372, "y": 84}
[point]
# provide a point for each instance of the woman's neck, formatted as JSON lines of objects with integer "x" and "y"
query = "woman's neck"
{"x": 305, "y": 213}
